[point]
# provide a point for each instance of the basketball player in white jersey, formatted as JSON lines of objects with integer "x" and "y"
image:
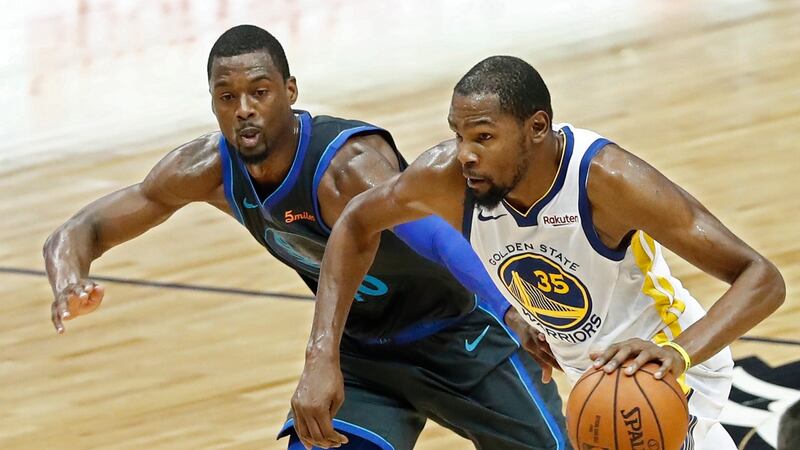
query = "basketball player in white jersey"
{"x": 568, "y": 226}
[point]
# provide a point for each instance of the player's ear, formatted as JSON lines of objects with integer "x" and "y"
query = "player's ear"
{"x": 538, "y": 125}
{"x": 291, "y": 89}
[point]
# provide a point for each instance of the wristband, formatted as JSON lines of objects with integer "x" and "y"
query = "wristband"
{"x": 679, "y": 349}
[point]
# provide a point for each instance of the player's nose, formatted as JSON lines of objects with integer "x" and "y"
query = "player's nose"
{"x": 466, "y": 156}
{"x": 245, "y": 108}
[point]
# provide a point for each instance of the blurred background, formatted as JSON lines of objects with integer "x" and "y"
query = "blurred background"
{"x": 200, "y": 340}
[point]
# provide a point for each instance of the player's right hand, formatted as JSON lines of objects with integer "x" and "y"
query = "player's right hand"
{"x": 319, "y": 395}
{"x": 534, "y": 342}
{"x": 76, "y": 299}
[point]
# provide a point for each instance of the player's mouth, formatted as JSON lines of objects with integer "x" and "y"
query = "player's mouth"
{"x": 474, "y": 181}
{"x": 249, "y": 137}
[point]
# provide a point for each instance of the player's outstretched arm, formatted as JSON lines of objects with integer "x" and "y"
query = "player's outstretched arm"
{"x": 628, "y": 194}
{"x": 189, "y": 173}
{"x": 418, "y": 192}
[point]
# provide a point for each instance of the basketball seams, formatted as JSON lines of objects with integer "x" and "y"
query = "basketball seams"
{"x": 585, "y": 401}
{"x": 653, "y": 410}
{"x": 583, "y": 378}
{"x": 682, "y": 398}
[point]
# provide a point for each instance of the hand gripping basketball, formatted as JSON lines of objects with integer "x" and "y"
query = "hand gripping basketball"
{"x": 610, "y": 410}
{"x": 640, "y": 352}
{"x": 76, "y": 299}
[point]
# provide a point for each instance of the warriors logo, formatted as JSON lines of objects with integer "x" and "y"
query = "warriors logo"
{"x": 548, "y": 295}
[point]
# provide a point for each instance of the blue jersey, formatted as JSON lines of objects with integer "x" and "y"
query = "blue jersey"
{"x": 403, "y": 294}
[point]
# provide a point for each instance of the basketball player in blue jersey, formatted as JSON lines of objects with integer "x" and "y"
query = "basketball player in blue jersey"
{"x": 417, "y": 345}
{"x": 568, "y": 225}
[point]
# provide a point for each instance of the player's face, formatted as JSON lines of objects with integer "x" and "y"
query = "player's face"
{"x": 252, "y": 102}
{"x": 491, "y": 146}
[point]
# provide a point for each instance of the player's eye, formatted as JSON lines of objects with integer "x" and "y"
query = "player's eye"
{"x": 484, "y": 137}
{"x": 261, "y": 92}
{"x": 226, "y": 97}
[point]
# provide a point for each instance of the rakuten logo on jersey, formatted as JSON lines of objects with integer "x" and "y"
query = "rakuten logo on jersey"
{"x": 560, "y": 221}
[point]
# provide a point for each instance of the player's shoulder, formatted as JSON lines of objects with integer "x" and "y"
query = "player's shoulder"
{"x": 615, "y": 174}
{"x": 325, "y": 121}
{"x": 196, "y": 156}
{"x": 441, "y": 159}
{"x": 191, "y": 171}
{"x": 361, "y": 146}
{"x": 613, "y": 163}
{"x": 609, "y": 160}
{"x": 435, "y": 174}
{"x": 327, "y": 129}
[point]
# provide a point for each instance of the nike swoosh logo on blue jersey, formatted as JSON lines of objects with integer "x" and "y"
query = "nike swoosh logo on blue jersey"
{"x": 483, "y": 218}
{"x": 470, "y": 346}
{"x": 249, "y": 205}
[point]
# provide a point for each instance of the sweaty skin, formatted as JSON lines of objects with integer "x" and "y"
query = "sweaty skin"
{"x": 248, "y": 91}
{"x": 625, "y": 194}
{"x": 252, "y": 103}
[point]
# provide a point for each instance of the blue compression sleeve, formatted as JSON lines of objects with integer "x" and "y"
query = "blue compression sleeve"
{"x": 436, "y": 240}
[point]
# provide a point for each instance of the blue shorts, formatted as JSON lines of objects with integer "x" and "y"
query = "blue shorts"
{"x": 471, "y": 378}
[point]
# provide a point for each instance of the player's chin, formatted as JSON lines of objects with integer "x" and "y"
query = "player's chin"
{"x": 479, "y": 187}
{"x": 253, "y": 155}
{"x": 487, "y": 195}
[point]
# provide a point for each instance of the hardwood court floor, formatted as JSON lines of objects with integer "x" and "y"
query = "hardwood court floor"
{"x": 97, "y": 91}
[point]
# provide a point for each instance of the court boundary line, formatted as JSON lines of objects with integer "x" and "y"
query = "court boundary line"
{"x": 252, "y": 293}
{"x": 169, "y": 285}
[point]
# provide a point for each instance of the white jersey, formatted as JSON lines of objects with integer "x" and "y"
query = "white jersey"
{"x": 553, "y": 268}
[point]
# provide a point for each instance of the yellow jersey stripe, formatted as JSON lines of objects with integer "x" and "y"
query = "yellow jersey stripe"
{"x": 643, "y": 254}
{"x": 660, "y": 290}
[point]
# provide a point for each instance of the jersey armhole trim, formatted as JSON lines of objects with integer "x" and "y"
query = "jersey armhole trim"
{"x": 325, "y": 161}
{"x": 585, "y": 209}
{"x": 227, "y": 177}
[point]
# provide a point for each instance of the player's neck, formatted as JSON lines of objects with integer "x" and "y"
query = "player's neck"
{"x": 537, "y": 180}
{"x": 273, "y": 170}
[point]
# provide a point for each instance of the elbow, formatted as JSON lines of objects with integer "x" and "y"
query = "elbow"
{"x": 780, "y": 286}
{"x": 774, "y": 285}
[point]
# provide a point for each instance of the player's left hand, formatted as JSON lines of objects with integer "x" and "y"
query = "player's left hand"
{"x": 534, "y": 342}
{"x": 641, "y": 352}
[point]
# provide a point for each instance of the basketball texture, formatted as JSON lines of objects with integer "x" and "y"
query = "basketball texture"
{"x": 618, "y": 411}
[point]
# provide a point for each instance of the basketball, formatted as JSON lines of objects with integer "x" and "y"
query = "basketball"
{"x": 618, "y": 411}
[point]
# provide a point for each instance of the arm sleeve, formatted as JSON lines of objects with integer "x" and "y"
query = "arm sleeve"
{"x": 439, "y": 242}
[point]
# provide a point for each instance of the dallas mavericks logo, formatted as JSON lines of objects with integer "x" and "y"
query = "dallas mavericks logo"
{"x": 306, "y": 255}
{"x": 549, "y": 295}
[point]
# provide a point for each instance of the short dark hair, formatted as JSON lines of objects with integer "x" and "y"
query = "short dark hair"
{"x": 243, "y": 39}
{"x": 518, "y": 86}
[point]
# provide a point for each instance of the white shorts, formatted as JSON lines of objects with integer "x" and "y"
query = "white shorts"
{"x": 711, "y": 384}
